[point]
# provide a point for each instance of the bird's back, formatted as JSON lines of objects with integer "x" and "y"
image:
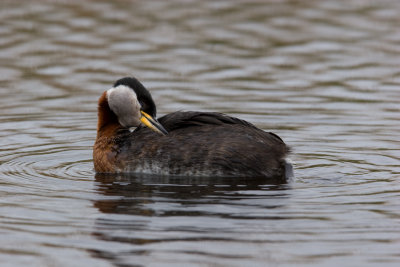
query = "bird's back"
{"x": 202, "y": 144}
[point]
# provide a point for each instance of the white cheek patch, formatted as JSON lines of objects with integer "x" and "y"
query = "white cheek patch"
{"x": 123, "y": 102}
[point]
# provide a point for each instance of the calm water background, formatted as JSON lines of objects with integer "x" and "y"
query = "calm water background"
{"x": 324, "y": 75}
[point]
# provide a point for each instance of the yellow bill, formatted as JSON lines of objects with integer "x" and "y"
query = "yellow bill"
{"x": 152, "y": 123}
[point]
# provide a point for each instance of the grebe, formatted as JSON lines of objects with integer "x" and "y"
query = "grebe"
{"x": 181, "y": 143}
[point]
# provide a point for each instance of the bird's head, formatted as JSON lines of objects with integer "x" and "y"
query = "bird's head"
{"x": 132, "y": 104}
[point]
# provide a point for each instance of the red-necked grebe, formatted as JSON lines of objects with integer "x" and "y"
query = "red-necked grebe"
{"x": 181, "y": 143}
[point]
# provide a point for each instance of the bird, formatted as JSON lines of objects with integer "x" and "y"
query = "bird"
{"x": 131, "y": 139}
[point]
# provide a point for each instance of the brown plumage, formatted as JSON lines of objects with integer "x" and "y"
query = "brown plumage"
{"x": 197, "y": 143}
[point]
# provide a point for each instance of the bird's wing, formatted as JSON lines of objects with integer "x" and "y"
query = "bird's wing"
{"x": 186, "y": 119}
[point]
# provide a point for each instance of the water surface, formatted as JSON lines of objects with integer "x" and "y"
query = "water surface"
{"x": 323, "y": 75}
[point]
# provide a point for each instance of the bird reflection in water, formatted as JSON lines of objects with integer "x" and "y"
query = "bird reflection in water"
{"x": 140, "y": 211}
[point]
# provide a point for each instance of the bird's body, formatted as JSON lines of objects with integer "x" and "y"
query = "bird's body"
{"x": 197, "y": 144}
